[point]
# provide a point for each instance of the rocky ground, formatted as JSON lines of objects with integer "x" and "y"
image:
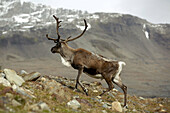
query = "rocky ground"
{"x": 31, "y": 92}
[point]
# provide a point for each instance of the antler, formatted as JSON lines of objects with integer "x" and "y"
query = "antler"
{"x": 55, "y": 40}
{"x": 57, "y": 27}
{"x": 71, "y": 39}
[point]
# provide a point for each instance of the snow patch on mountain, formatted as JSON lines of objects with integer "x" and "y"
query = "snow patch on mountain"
{"x": 146, "y": 34}
{"x": 94, "y": 16}
{"x": 6, "y": 5}
{"x": 145, "y": 31}
{"x": 26, "y": 27}
{"x": 116, "y": 15}
{"x": 23, "y": 18}
{"x": 82, "y": 27}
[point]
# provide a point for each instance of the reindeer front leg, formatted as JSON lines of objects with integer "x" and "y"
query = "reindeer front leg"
{"x": 80, "y": 70}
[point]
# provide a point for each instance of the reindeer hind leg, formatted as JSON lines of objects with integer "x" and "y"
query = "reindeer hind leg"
{"x": 119, "y": 83}
{"x": 110, "y": 84}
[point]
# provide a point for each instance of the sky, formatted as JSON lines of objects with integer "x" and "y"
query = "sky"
{"x": 155, "y": 11}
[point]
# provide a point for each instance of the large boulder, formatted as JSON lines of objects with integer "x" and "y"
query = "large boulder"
{"x": 4, "y": 82}
{"x": 32, "y": 76}
{"x": 12, "y": 77}
{"x": 116, "y": 106}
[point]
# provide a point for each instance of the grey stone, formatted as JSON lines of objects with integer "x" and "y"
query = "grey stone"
{"x": 134, "y": 110}
{"x": 33, "y": 107}
{"x": 74, "y": 104}
{"x": 23, "y": 91}
{"x": 23, "y": 72}
{"x": 76, "y": 97}
{"x": 42, "y": 79}
{"x": 2, "y": 75}
{"x": 43, "y": 106}
{"x": 95, "y": 91}
{"x": 9, "y": 95}
{"x": 12, "y": 77}
{"x": 5, "y": 82}
{"x": 97, "y": 100}
{"x": 32, "y": 76}
{"x": 104, "y": 111}
{"x": 15, "y": 103}
{"x": 121, "y": 96}
{"x": 110, "y": 94}
{"x": 105, "y": 105}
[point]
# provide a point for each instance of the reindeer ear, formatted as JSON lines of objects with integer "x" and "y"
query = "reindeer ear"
{"x": 55, "y": 41}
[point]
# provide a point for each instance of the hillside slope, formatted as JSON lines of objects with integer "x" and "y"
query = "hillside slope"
{"x": 56, "y": 94}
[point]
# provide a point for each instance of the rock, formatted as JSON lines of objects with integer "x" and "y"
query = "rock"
{"x": 104, "y": 111}
{"x": 114, "y": 93}
{"x": 43, "y": 106}
{"x": 105, "y": 106}
{"x": 97, "y": 100}
{"x": 84, "y": 101}
{"x": 5, "y": 82}
{"x": 42, "y": 79}
{"x": 141, "y": 98}
{"x": 121, "y": 96}
{"x": 99, "y": 97}
{"x": 115, "y": 90}
{"x": 15, "y": 103}
{"x": 32, "y": 76}
{"x": 23, "y": 72}
{"x": 134, "y": 110}
{"x": 74, "y": 104}
{"x": 163, "y": 111}
{"x": 12, "y": 77}
{"x": 9, "y": 95}
{"x": 33, "y": 107}
{"x": 110, "y": 94}
{"x": 23, "y": 91}
{"x": 116, "y": 106}
{"x": 76, "y": 97}
{"x": 2, "y": 75}
{"x": 95, "y": 91}
{"x": 96, "y": 83}
{"x": 160, "y": 105}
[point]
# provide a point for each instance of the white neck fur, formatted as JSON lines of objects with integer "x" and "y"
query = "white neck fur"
{"x": 65, "y": 62}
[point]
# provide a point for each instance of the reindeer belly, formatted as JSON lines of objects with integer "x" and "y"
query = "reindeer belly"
{"x": 92, "y": 73}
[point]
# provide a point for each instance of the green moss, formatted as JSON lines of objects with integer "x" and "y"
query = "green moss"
{"x": 20, "y": 99}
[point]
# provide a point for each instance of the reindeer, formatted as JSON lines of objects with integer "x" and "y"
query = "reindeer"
{"x": 94, "y": 65}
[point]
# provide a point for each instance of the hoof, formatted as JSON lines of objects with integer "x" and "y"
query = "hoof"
{"x": 125, "y": 107}
{"x": 86, "y": 91}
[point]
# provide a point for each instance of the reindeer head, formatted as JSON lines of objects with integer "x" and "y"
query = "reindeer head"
{"x": 60, "y": 43}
